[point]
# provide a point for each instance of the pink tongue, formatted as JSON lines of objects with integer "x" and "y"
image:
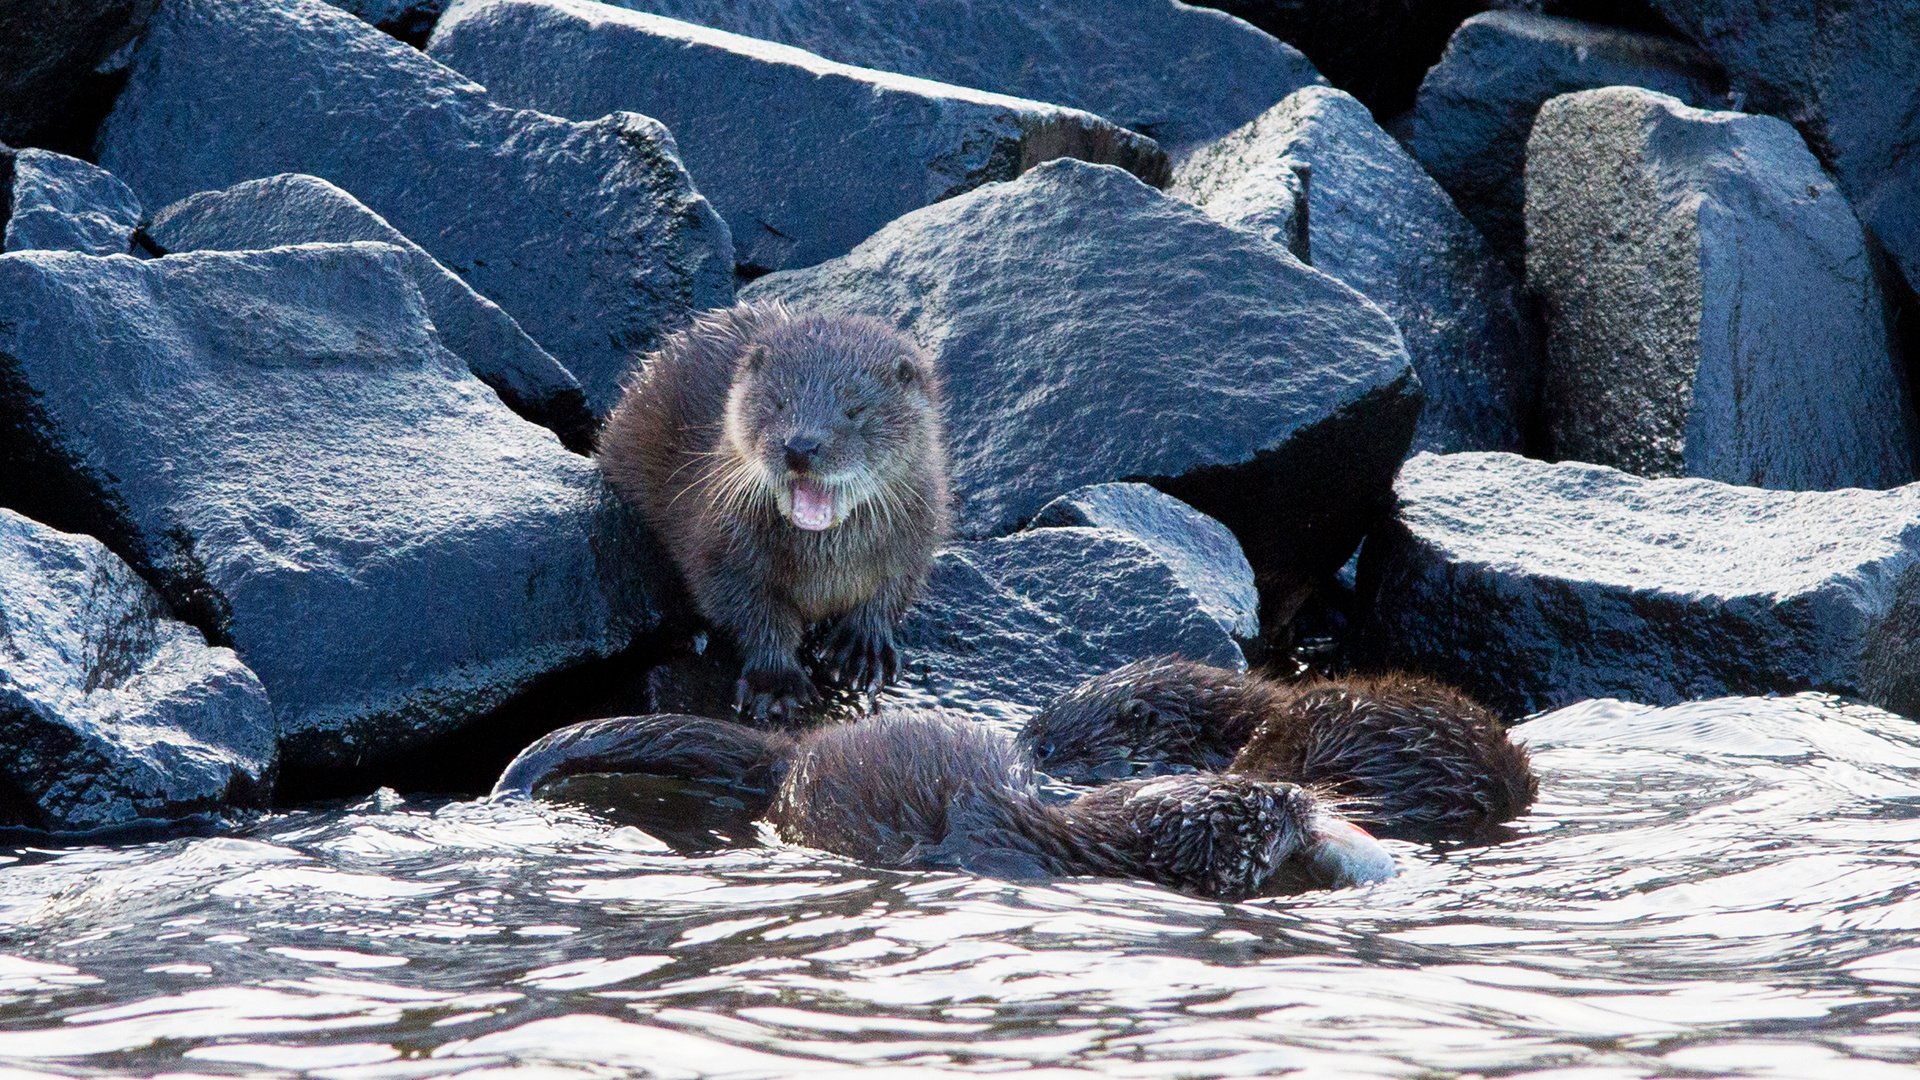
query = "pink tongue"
{"x": 812, "y": 506}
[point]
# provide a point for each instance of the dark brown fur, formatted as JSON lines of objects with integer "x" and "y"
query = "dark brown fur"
{"x": 1407, "y": 755}
{"x": 697, "y": 444}
{"x": 926, "y": 789}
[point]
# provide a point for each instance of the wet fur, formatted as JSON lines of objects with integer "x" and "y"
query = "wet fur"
{"x": 1404, "y": 755}
{"x": 694, "y": 443}
{"x": 915, "y": 788}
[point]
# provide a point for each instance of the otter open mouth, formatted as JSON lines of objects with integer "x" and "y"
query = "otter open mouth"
{"x": 812, "y": 504}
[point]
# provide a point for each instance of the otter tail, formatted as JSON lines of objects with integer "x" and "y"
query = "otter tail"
{"x": 685, "y": 747}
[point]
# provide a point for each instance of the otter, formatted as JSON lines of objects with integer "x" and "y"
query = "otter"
{"x": 794, "y": 468}
{"x": 1408, "y": 756}
{"x": 927, "y": 789}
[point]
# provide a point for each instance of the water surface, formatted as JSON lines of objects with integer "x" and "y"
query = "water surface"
{"x": 1724, "y": 888}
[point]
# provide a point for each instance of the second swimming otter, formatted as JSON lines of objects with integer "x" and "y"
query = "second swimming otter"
{"x": 795, "y": 469}
{"x": 925, "y": 789}
{"x": 1408, "y": 756}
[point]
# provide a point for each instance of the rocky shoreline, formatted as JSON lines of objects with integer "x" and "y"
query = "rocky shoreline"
{"x": 305, "y": 330}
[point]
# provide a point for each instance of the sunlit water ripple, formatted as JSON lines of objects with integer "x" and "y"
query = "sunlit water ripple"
{"x": 1723, "y": 888}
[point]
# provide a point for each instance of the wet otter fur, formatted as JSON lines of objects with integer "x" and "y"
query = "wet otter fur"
{"x": 1406, "y": 755}
{"x": 794, "y": 467}
{"x": 914, "y": 788}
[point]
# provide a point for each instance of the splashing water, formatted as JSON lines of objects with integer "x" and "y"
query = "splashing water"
{"x": 1730, "y": 887}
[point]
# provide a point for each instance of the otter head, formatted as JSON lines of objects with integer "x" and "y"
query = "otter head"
{"x": 831, "y": 414}
{"x": 1143, "y": 719}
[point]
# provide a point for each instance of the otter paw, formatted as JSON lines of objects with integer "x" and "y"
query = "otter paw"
{"x": 864, "y": 659}
{"x": 774, "y": 693}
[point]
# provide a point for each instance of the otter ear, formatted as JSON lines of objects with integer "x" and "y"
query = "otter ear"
{"x": 905, "y": 373}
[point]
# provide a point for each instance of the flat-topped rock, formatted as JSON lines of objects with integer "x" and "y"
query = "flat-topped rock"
{"x": 1710, "y": 300}
{"x": 53, "y": 202}
{"x": 805, "y": 157}
{"x": 1178, "y": 73}
{"x": 589, "y": 234}
{"x": 277, "y": 211}
{"x": 280, "y": 443}
{"x": 1537, "y": 585}
{"x": 1843, "y": 72}
{"x": 1475, "y": 109}
{"x": 1378, "y": 222}
{"x": 1091, "y": 329}
{"x": 1201, "y": 552}
{"x": 113, "y": 713}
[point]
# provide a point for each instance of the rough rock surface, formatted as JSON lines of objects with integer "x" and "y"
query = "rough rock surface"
{"x": 1092, "y": 329}
{"x": 1538, "y": 585}
{"x": 409, "y": 20}
{"x": 1843, "y": 71}
{"x": 280, "y": 443}
{"x": 1378, "y": 222}
{"x": 1201, "y": 552}
{"x": 1007, "y": 624}
{"x": 1474, "y": 110}
{"x": 1180, "y": 74}
{"x": 52, "y": 47}
{"x": 804, "y": 157}
{"x": 52, "y": 202}
{"x": 112, "y": 712}
{"x": 293, "y": 209}
{"x": 1710, "y": 300}
{"x": 590, "y": 234}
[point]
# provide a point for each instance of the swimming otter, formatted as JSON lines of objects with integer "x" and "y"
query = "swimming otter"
{"x": 1408, "y": 756}
{"x": 795, "y": 469}
{"x": 927, "y": 789}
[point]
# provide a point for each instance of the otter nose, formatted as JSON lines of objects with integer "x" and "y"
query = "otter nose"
{"x": 800, "y": 451}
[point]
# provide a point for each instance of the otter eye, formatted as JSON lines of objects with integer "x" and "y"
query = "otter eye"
{"x": 904, "y": 373}
{"x": 1044, "y": 750}
{"x": 854, "y": 413}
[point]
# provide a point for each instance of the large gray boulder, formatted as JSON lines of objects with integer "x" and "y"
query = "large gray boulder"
{"x": 1537, "y": 585}
{"x": 1205, "y": 558}
{"x": 280, "y": 443}
{"x": 53, "y": 202}
{"x": 113, "y": 713}
{"x": 1378, "y": 222}
{"x": 1180, "y": 74}
{"x": 278, "y": 211}
{"x": 804, "y": 157}
{"x": 1710, "y": 300}
{"x": 1005, "y": 625}
{"x": 1474, "y": 110}
{"x": 1092, "y": 329}
{"x": 1843, "y": 71}
{"x": 53, "y": 49}
{"x": 589, "y": 234}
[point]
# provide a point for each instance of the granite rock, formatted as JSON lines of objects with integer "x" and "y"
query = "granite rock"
{"x": 53, "y": 202}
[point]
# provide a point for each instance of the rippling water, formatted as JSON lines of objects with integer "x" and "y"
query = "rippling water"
{"x": 1730, "y": 887}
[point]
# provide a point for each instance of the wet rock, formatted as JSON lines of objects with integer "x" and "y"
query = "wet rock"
{"x": 1179, "y": 74}
{"x": 1005, "y": 625}
{"x": 113, "y": 713}
{"x": 1539, "y": 585}
{"x": 1843, "y": 72}
{"x": 53, "y": 202}
{"x": 1710, "y": 301}
{"x": 589, "y": 234}
{"x": 292, "y": 209}
{"x": 1377, "y": 222}
{"x": 53, "y": 48}
{"x": 1201, "y": 552}
{"x": 1474, "y": 110}
{"x": 1092, "y": 329}
{"x": 279, "y": 442}
{"x": 804, "y": 157}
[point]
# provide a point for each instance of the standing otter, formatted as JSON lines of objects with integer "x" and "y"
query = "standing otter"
{"x": 795, "y": 469}
{"x": 927, "y": 789}
{"x": 1407, "y": 755}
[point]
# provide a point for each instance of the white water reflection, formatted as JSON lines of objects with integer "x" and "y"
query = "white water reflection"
{"x": 1722, "y": 888}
